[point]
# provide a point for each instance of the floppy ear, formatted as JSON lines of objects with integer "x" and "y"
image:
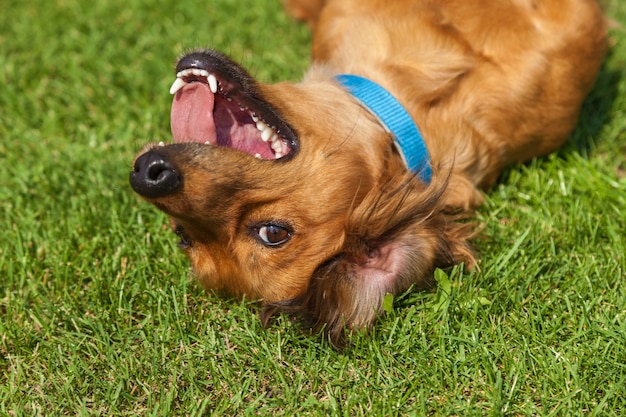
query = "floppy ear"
{"x": 395, "y": 238}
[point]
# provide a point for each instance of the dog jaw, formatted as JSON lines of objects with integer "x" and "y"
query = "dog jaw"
{"x": 216, "y": 102}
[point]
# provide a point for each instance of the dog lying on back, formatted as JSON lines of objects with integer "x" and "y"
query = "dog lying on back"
{"x": 320, "y": 197}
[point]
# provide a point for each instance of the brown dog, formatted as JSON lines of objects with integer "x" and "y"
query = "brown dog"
{"x": 299, "y": 194}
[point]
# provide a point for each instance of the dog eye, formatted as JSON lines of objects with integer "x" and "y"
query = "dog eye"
{"x": 272, "y": 234}
{"x": 185, "y": 242}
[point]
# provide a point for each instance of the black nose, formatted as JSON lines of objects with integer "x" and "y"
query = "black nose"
{"x": 154, "y": 176}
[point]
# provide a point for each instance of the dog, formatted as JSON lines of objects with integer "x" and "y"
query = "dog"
{"x": 320, "y": 197}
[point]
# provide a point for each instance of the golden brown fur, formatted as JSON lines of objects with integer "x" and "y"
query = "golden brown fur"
{"x": 488, "y": 82}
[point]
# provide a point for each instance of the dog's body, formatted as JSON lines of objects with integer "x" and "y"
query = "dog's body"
{"x": 321, "y": 215}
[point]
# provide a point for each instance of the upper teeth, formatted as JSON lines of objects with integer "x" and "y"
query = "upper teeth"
{"x": 212, "y": 83}
{"x": 268, "y": 134}
{"x": 180, "y": 82}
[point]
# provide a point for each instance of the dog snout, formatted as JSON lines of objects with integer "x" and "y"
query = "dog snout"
{"x": 154, "y": 176}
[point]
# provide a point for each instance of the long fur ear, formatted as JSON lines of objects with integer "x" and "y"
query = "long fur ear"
{"x": 395, "y": 238}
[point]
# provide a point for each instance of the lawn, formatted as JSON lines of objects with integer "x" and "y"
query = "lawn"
{"x": 101, "y": 316}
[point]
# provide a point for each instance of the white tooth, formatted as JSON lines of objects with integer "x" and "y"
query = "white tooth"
{"x": 278, "y": 155}
{"x": 277, "y": 146}
{"x": 267, "y": 134}
{"x": 204, "y": 73}
{"x": 257, "y": 155}
{"x": 212, "y": 83}
{"x": 207, "y": 143}
{"x": 260, "y": 125}
{"x": 254, "y": 118}
{"x": 177, "y": 85}
{"x": 161, "y": 143}
{"x": 196, "y": 72}
{"x": 274, "y": 137}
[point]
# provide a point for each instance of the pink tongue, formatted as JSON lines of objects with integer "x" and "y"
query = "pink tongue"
{"x": 192, "y": 114}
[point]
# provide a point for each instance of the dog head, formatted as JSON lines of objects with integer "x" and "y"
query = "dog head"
{"x": 293, "y": 194}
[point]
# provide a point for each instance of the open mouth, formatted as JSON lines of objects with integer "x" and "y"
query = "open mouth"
{"x": 218, "y": 103}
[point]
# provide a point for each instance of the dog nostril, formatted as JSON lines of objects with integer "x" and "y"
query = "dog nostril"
{"x": 153, "y": 176}
{"x": 158, "y": 172}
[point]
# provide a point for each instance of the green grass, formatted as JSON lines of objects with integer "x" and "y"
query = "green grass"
{"x": 98, "y": 311}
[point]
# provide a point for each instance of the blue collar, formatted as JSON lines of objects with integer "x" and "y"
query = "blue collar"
{"x": 395, "y": 119}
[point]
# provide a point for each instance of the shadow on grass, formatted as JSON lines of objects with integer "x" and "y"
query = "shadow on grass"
{"x": 596, "y": 110}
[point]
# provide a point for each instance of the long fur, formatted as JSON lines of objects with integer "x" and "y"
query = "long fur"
{"x": 488, "y": 82}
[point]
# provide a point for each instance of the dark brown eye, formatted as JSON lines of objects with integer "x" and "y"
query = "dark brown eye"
{"x": 185, "y": 242}
{"x": 272, "y": 234}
